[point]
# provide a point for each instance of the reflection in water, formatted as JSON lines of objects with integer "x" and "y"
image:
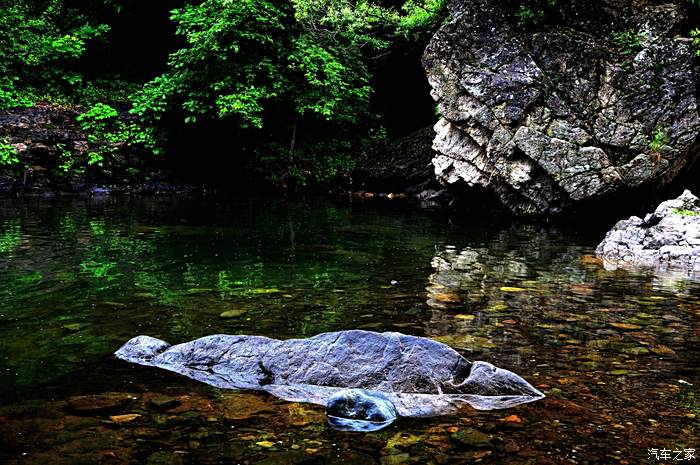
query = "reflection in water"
{"x": 616, "y": 352}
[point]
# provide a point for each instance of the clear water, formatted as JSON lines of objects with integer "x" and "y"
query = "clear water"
{"x": 616, "y": 352}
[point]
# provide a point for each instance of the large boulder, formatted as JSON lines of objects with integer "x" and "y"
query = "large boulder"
{"x": 601, "y": 100}
{"x": 420, "y": 377}
{"x": 667, "y": 239}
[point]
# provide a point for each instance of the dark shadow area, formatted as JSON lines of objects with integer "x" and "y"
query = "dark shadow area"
{"x": 402, "y": 93}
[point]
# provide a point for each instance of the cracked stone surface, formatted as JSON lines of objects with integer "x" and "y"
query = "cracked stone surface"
{"x": 550, "y": 118}
{"x": 667, "y": 239}
{"x": 420, "y": 377}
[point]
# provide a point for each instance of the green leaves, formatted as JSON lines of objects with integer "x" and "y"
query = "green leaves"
{"x": 39, "y": 43}
{"x": 630, "y": 42}
{"x": 8, "y": 153}
{"x": 533, "y": 12}
{"x": 229, "y": 66}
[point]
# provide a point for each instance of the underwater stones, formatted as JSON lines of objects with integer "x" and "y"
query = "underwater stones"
{"x": 417, "y": 376}
{"x": 667, "y": 239}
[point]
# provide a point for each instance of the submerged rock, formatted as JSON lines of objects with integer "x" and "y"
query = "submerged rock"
{"x": 549, "y": 118}
{"x": 667, "y": 239}
{"x": 354, "y": 373}
{"x": 110, "y": 401}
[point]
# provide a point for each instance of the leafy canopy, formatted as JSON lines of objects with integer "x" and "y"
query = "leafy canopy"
{"x": 253, "y": 62}
{"x": 39, "y": 44}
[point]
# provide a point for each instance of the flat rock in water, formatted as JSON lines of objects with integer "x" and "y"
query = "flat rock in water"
{"x": 99, "y": 402}
{"x": 667, "y": 239}
{"x": 420, "y": 377}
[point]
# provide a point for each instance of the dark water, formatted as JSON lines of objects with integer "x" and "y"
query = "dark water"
{"x": 616, "y": 352}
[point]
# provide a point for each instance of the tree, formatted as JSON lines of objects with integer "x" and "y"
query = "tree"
{"x": 253, "y": 61}
{"x": 39, "y": 43}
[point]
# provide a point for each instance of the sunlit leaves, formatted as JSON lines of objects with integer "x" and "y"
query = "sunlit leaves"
{"x": 39, "y": 42}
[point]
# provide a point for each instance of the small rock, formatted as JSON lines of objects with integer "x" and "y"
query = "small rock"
{"x": 512, "y": 419}
{"x": 99, "y": 402}
{"x": 164, "y": 403}
{"x": 164, "y": 458}
{"x": 74, "y": 326}
{"x": 636, "y": 350}
{"x": 512, "y": 289}
{"x": 233, "y": 313}
{"x": 626, "y": 326}
{"x": 126, "y": 418}
{"x": 471, "y": 437}
{"x": 662, "y": 350}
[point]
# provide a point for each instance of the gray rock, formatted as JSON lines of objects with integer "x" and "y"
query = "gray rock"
{"x": 667, "y": 239}
{"x": 420, "y": 377}
{"x": 554, "y": 117}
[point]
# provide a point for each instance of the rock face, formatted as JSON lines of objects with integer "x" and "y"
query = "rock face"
{"x": 418, "y": 376}
{"x": 667, "y": 240}
{"x": 402, "y": 166}
{"x": 552, "y": 117}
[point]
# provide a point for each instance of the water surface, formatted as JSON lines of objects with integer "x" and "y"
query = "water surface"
{"x": 616, "y": 352}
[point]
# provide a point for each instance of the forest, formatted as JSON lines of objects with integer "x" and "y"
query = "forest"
{"x": 293, "y": 84}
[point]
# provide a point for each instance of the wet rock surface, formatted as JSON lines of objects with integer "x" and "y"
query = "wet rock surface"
{"x": 420, "y": 377}
{"x": 550, "y": 118}
{"x": 667, "y": 239}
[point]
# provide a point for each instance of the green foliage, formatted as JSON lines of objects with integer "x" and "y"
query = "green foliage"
{"x": 630, "y": 42}
{"x": 230, "y": 66}
{"x": 295, "y": 73}
{"x": 107, "y": 132}
{"x": 40, "y": 41}
{"x": 256, "y": 62}
{"x": 313, "y": 163}
{"x": 695, "y": 36}
{"x": 678, "y": 211}
{"x": 421, "y": 17}
{"x": 533, "y": 12}
{"x": 8, "y": 153}
{"x": 98, "y": 118}
{"x": 658, "y": 140}
{"x": 68, "y": 161}
{"x": 109, "y": 135}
